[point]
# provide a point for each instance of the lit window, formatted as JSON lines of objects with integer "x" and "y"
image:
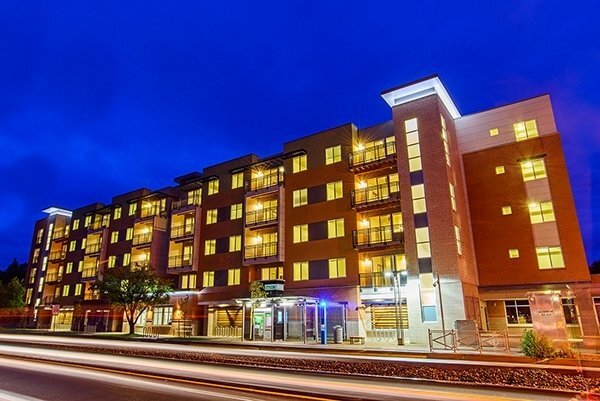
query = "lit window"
{"x": 513, "y": 253}
{"x": 525, "y": 130}
{"x": 129, "y": 234}
{"x": 423, "y": 245}
{"x": 162, "y": 315}
{"x": 112, "y": 260}
{"x": 334, "y": 190}
{"x": 76, "y": 224}
{"x": 337, "y": 267}
{"x": 271, "y": 273}
{"x": 87, "y": 221}
{"x": 114, "y": 237}
{"x": 235, "y": 243}
{"x": 418, "y": 196}
{"x": 517, "y": 311}
{"x": 80, "y": 266}
{"x": 208, "y": 279}
{"x": 550, "y": 257}
{"x": 210, "y": 246}
{"x": 194, "y": 197}
{"x": 300, "y": 197}
{"x": 83, "y": 242}
{"x": 335, "y": 228}
{"x": 40, "y": 235}
{"x": 533, "y": 169}
{"x": 300, "y": 271}
{"x": 236, "y": 211}
{"x": 458, "y": 240}
{"x": 117, "y": 213}
{"x": 69, "y": 268}
{"x": 72, "y": 246}
{"x": 541, "y": 212}
{"x": 500, "y": 170}
{"x": 506, "y": 210}
{"x": 188, "y": 281}
{"x": 333, "y": 154}
{"x": 494, "y": 132}
{"x": 445, "y": 140}
{"x": 213, "y": 187}
{"x": 237, "y": 180}
{"x": 300, "y": 233}
{"x": 299, "y": 163}
{"x": 233, "y": 277}
{"x": 78, "y": 288}
{"x": 65, "y": 290}
{"x": 126, "y": 259}
{"x": 452, "y": 196}
{"x": 132, "y": 208}
{"x": 211, "y": 216}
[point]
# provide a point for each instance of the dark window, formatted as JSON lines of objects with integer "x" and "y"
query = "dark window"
{"x": 518, "y": 311}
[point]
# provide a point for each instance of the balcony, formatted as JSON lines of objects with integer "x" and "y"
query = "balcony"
{"x": 180, "y": 261}
{"x": 152, "y": 211}
{"x": 185, "y": 204}
{"x": 92, "y": 248}
{"x": 182, "y": 231}
{"x": 51, "y": 300}
{"x": 59, "y": 233}
{"x": 97, "y": 226}
{"x": 142, "y": 239}
{"x": 259, "y": 251}
{"x": 378, "y": 281}
{"x": 56, "y": 255}
{"x": 375, "y": 196}
{"x": 89, "y": 272}
{"x": 53, "y": 277}
{"x": 90, "y": 296}
{"x": 373, "y": 157}
{"x": 261, "y": 216}
{"x": 378, "y": 236}
{"x": 265, "y": 182}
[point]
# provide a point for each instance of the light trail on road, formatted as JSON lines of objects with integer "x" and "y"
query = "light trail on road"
{"x": 335, "y": 387}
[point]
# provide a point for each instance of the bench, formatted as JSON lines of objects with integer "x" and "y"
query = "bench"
{"x": 356, "y": 340}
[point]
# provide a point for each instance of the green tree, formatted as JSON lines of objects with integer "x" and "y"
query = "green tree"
{"x": 15, "y": 269}
{"x": 12, "y": 295}
{"x": 133, "y": 288}
{"x": 595, "y": 267}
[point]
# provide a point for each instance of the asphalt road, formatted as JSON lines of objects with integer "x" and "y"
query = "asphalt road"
{"x": 109, "y": 380}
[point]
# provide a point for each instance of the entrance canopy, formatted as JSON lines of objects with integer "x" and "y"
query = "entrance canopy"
{"x": 278, "y": 301}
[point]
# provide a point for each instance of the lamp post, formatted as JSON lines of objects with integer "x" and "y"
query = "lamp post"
{"x": 437, "y": 283}
{"x": 397, "y": 282}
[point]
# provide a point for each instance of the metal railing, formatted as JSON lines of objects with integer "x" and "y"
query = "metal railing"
{"x": 180, "y": 261}
{"x": 182, "y": 230}
{"x": 59, "y": 233}
{"x": 372, "y": 154}
{"x": 150, "y": 211}
{"x": 185, "y": 202}
{"x": 380, "y": 280}
{"x": 375, "y": 193}
{"x": 53, "y": 276}
{"x": 89, "y": 272}
{"x": 91, "y": 296}
{"x": 140, "y": 239}
{"x": 227, "y": 331}
{"x": 97, "y": 225}
{"x": 261, "y": 216}
{"x": 260, "y": 250}
{"x": 265, "y": 181}
{"x": 452, "y": 340}
{"x": 51, "y": 299}
{"x": 92, "y": 248}
{"x": 378, "y": 235}
{"x": 57, "y": 255}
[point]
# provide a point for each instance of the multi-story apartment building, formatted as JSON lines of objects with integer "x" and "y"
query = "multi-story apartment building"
{"x": 417, "y": 222}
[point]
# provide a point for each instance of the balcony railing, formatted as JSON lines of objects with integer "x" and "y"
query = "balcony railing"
{"x": 57, "y": 255}
{"x": 185, "y": 202}
{"x": 180, "y": 261}
{"x": 51, "y": 299}
{"x": 97, "y": 225}
{"x": 261, "y": 216}
{"x": 150, "y": 211}
{"x": 141, "y": 239}
{"x": 89, "y": 272}
{"x": 260, "y": 250}
{"x": 377, "y": 280}
{"x": 265, "y": 181}
{"x": 378, "y": 235}
{"x": 182, "y": 230}
{"x": 92, "y": 248}
{"x": 375, "y": 193}
{"x": 371, "y": 154}
{"x": 90, "y": 296}
{"x": 52, "y": 277}
{"x": 59, "y": 233}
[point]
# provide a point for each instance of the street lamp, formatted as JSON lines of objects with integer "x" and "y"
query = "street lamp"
{"x": 397, "y": 282}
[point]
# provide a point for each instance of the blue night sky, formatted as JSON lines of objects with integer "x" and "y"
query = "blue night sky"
{"x": 99, "y": 100}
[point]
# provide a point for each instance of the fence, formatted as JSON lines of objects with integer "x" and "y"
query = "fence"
{"x": 150, "y": 332}
{"x": 476, "y": 340}
{"x": 227, "y": 331}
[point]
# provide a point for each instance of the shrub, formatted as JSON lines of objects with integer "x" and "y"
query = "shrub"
{"x": 536, "y": 346}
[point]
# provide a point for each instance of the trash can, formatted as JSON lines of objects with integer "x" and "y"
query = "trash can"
{"x": 338, "y": 334}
